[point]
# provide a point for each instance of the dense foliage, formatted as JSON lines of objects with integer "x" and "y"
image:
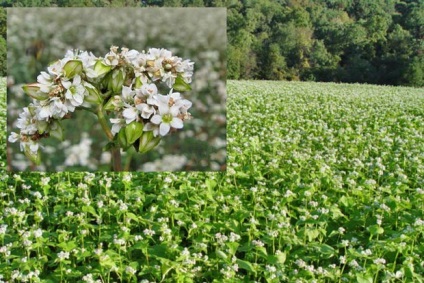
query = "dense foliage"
{"x": 379, "y": 42}
{"x": 324, "y": 184}
{"x": 371, "y": 41}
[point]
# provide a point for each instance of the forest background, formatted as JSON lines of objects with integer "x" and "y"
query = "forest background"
{"x": 364, "y": 41}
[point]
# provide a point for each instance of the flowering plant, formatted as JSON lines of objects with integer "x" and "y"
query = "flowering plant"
{"x": 123, "y": 83}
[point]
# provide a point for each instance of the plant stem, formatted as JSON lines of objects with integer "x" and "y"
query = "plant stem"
{"x": 116, "y": 159}
{"x": 116, "y": 154}
{"x": 129, "y": 155}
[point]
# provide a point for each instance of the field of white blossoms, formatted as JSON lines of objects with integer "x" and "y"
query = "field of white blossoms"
{"x": 325, "y": 183}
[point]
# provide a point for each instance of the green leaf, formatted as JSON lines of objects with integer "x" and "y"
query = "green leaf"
{"x": 140, "y": 246}
{"x": 232, "y": 246}
{"x": 132, "y": 216}
{"x": 90, "y": 210}
{"x": 375, "y": 230}
{"x": 261, "y": 251}
{"x": 364, "y": 278}
{"x": 279, "y": 258}
{"x": 109, "y": 146}
{"x": 221, "y": 254}
{"x": 312, "y": 234}
{"x": 245, "y": 265}
{"x": 180, "y": 85}
{"x": 326, "y": 250}
{"x": 67, "y": 246}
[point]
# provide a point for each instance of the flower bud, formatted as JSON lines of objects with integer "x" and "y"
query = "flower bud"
{"x": 147, "y": 142}
{"x": 32, "y": 109}
{"x": 56, "y": 130}
{"x": 138, "y": 82}
{"x": 93, "y": 94}
{"x": 100, "y": 68}
{"x": 41, "y": 126}
{"x": 32, "y": 155}
{"x": 180, "y": 85}
{"x": 133, "y": 131}
{"x": 114, "y": 102}
{"x": 122, "y": 139}
{"x": 33, "y": 90}
{"x": 72, "y": 68}
{"x": 116, "y": 80}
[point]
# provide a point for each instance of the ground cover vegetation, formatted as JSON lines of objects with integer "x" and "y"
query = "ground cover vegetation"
{"x": 324, "y": 184}
{"x": 378, "y": 42}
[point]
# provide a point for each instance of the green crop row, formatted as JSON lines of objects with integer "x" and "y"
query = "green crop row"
{"x": 324, "y": 184}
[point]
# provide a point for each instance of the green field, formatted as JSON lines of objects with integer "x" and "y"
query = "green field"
{"x": 324, "y": 183}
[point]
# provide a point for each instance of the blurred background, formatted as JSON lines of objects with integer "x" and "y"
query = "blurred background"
{"x": 37, "y": 37}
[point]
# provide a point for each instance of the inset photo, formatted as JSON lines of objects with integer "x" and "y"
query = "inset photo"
{"x": 99, "y": 89}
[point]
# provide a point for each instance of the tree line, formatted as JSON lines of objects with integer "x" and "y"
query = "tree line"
{"x": 365, "y": 41}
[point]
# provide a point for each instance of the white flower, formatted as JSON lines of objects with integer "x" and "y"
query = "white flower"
{"x": 159, "y": 53}
{"x": 130, "y": 270}
{"x": 75, "y": 91}
{"x": 3, "y": 229}
{"x": 148, "y": 232}
{"x": 26, "y": 122}
{"x": 111, "y": 58}
{"x": 38, "y": 233}
{"x": 147, "y": 91}
{"x": 186, "y": 67}
{"x": 130, "y": 114}
{"x": 151, "y": 127}
{"x": 63, "y": 255}
{"x": 146, "y": 110}
{"x": 129, "y": 55}
{"x": 88, "y": 62}
{"x": 118, "y": 123}
{"x": 169, "y": 78}
{"x": 44, "y": 112}
{"x": 58, "y": 108}
{"x": 380, "y": 261}
{"x": 88, "y": 59}
{"x": 14, "y": 137}
{"x": 127, "y": 95}
{"x": 31, "y": 145}
{"x": 166, "y": 119}
{"x": 45, "y": 82}
{"x": 57, "y": 67}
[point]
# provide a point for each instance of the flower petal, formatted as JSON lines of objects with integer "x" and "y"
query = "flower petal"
{"x": 177, "y": 123}
{"x": 66, "y": 84}
{"x": 164, "y": 129}
{"x": 156, "y": 119}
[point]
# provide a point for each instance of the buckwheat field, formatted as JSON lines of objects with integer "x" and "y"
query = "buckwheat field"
{"x": 324, "y": 183}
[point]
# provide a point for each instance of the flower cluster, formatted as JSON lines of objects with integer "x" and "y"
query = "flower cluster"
{"x": 124, "y": 82}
